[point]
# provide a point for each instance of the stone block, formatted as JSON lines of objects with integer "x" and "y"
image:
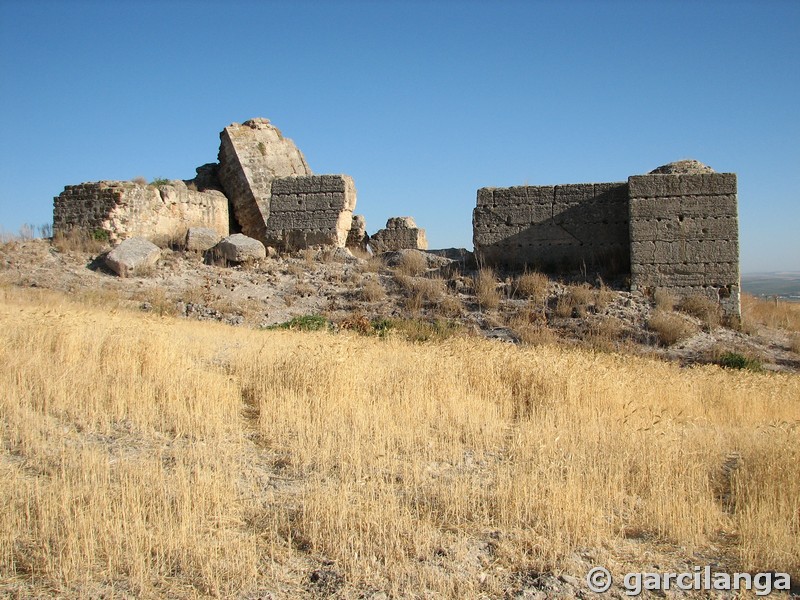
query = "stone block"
{"x": 251, "y": 157}
{"x": 401, "y": 233}
{"x": 240, "y": 248}
{"x": 132, "y": 254}
{"x": 357, "y": 237}
{"x": 200, "y": 239}
{"x": 692, "y": 206}
{"x": 706, "y": 184}
{"x": 311, "y": 211}
{"x": 685, "y": 228}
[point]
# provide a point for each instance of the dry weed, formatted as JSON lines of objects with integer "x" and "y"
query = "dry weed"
{"x": 670, "y": 327}
{"x": 665, "y": 301}
{"x": 412, "y": 264}
{"x": 603, "y": 296}
{"x": 373, "y": 291}
{"x": 774, "y": 313}
{"x": 78, "y": 240}
{"x": 374, "y": 264}
{"x": 604, "y": 333}
{"x": 486, "y": 289}
{"x": 532, "y": 285}
{"x": 451, "y": 307}
{"x": 702, "y": 308}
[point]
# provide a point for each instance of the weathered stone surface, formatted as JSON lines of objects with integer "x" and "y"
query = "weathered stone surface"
{"x": 207, "y": 178}
{"x": 434, "y": 261}
{"x": 251, "y": 156}
{"x": 682, "y": 167}
{"x": 684, "y": 233}
{"x": 240, "y": 248}
{"x": 659, "y": 186}
{"x": 316, "y": 210}
{"x": 675, "y": 228}
{"x": 131, "y": 254}
{"x": 400, "y": 233}
{"x": 553, "y": 227}
{"x": 401, "y": 223}
{"x": 200, "y": 239}
{"x": 126, "y": 209}
{"x": 357, "y": 238}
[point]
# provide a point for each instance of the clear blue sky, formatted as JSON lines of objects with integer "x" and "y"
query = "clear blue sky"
{"x": 421, "y": 102}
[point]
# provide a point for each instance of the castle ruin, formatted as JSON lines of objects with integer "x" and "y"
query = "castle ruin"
{"x": 675, "y": 228}
{"x": 262, "y": 187}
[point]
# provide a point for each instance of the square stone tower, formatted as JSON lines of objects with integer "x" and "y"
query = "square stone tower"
{"x": 685, "y": 235}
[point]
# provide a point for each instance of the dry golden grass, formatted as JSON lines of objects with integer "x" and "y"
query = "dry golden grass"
{"x": 167, "y": 458}
{"x": 665, "y": 300}
{"x": 670, "y": 327}
{"x": 78, "y": 240}
{"x": 532, "y": 285}
{"x": 373, "y": 291}
{"x": 411, "y": 264}
{"x": 777, "y": 314}
{"x": 703, "y": 308}
{"x": 486, "y": 289}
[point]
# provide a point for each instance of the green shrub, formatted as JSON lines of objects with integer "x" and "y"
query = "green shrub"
{"x": 304, "y": 323}
{"x": 734, "y": 360}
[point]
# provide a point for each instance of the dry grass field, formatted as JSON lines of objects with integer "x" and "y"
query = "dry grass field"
{"x": 146, "y": 456}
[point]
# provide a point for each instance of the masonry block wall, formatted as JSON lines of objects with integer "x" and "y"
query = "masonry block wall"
{"x": 125, "y": 209}
{"x": 673, "y": 231}
{"x": 553, "y": 227}
{"x": 309, "y": 211}
{"x": 251, "y": 155}
{"x": 685, "y": 236}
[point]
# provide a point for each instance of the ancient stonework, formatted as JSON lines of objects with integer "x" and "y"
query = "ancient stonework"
{"x": 239, "y": 248}
{"x": 132, "y": 254}
{"x": 553, "y": 227}
{"x": 400, "y": 233}
{"x": 675, "y": 228}
{"x": 310, "y": 211}
{"x": 357, "y": 238}
{"x": 251, "y": 156}
{"x": 125, "y": 209}
{"x": 685, "y": 236}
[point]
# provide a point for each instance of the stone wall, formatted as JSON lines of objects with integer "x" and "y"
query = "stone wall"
{"x": 124, "y": 209}
{"x": 401, "y": 233}
{"x": 357, "y": 238}
{"x": 553, "y": 227}
{"x": 310, "y": 211}
{"x": 685, "y": 236}
{"x": 251, "y": 155}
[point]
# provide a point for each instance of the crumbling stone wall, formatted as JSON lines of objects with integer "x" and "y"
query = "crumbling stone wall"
{"x": 401, "y": 233}
{"x": 251, "y": 156}
{"x": 358, "y": 238}
{"x": 685, "y": 235}
{"x": 125, "y": 209}
{"x": 553, "y": 227}
{"x": 675, "y": 228}
{"x": 310, "y": 211}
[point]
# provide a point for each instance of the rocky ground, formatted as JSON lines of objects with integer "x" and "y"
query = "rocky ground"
{"x": 422, "y": 295}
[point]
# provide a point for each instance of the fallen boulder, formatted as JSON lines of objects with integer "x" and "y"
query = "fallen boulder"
{"x": 131, "y": 255}
{"x": 200, "y": 239}
{"x": 240, "y": 248}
